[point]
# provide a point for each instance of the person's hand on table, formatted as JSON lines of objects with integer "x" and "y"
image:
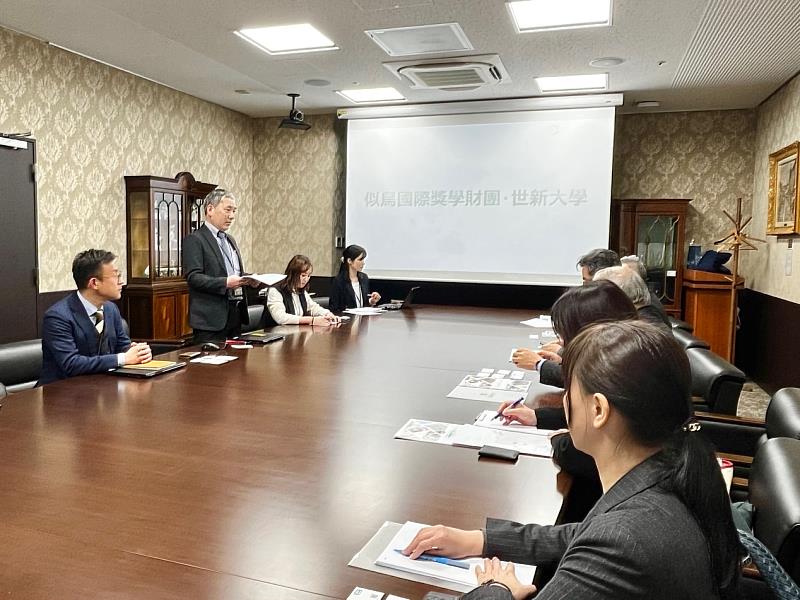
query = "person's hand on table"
{"x": 519, "y": 414}
{"x": 554, "y": 356}
{"x": 493, "y": 571}
{"x": 374, "y": 298}
{"x": 525, "y": 358}
{"x": 138, "y": 353}
{"x": 322, "y": 321}
{"x": 551, "y": 347}
{"x": 445, "y": 541}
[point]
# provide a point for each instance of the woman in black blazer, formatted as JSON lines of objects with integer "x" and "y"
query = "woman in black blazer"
{"x": 662, "y": 529}
{"x": 350, "y": 287}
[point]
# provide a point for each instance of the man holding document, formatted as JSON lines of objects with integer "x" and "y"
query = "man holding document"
{"x": 213, "y": 269}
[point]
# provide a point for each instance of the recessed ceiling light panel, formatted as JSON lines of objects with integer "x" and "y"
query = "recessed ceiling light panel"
{"x": 287, "y": 39}
{"x": 364, "y": 96}
{"x": 422, "y": 39}
{"x": 573, "y": 83}
{"x": 546, "y": 15}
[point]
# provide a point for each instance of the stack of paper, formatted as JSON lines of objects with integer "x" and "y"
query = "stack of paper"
{"x": 366, "y": 310}
{"x": 542, "y": 321}
{"x": 447, "y": 573}
{"x": 489, "y": 388}
{"x": 434, "y": 432}
{"x": 214, "y": 359}
{"x": 265, "y": 278}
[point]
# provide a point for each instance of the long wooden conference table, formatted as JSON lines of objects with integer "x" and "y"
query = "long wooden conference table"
{"x": 260, "y": 478}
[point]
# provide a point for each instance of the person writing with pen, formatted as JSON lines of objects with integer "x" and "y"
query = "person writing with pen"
{"x": 289, "y": 303}
{"x": 663, "y": 527}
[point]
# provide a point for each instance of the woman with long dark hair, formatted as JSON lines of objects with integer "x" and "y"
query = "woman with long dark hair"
{"x": 350, "y": 286}
{"x": 289, "y": 303}
{"x": 663, "y": 527}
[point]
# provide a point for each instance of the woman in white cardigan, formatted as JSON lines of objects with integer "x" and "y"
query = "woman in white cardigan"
{"x": 288, "y": 303}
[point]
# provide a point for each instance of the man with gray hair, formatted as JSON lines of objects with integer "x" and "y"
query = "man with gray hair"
{"x": 212, "y": 265}
{"x": 634, "y": 262}
{"x": 636, "y": 289}
{"x": 599, "y": 258}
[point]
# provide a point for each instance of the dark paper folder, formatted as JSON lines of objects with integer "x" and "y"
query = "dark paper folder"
{"x": 145, "y": 370}
{"x": 260, "y": 337}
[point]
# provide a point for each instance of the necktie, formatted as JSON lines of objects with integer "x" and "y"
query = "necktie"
{"x": 99, "y": 325}
{"x": 773, "y": 573}
{"x": 226, "y": 251}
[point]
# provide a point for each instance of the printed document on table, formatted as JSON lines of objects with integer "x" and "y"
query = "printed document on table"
{"x": 473, "y": 436}
{"x": 487, "y": 419}
{"x": 446, "y": 573}
{"x": 366, "y": 310}
{"x": 265, "y": 278}
{"x": 214, "y": 359}
{"x": 490, "y": 389}
{"x": 434, "y": 432}
{"x": 542, "y": 321}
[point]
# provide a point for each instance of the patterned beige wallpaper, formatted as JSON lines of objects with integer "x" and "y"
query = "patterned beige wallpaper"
{"x": 298, "y": 183}
{"x": 778, "y": 126}
{"x": 93, "y": 124}
{"x": 706, "y": 156}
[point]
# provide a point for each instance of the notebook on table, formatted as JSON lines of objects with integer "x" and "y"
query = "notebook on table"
{"x": 148, "y": 369}
{"x": 260, "y": 337}
{"x": 398, "y": 304}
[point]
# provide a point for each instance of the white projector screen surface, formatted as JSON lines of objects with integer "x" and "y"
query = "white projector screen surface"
{"x": 495, "y": 198}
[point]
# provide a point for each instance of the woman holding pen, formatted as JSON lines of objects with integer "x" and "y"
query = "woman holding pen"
{"x": 662, "y": 528}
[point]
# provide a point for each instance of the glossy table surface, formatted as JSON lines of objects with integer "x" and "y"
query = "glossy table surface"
{"x": 259, "y": 478}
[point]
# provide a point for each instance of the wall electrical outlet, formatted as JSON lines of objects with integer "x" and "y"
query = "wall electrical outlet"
{"x": 339, "y": 241}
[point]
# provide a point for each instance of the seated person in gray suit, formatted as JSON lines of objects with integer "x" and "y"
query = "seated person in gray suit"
{"x": 630, "y": 282}
{"x": 82, "y": 333}
{"x": 662, "y": 529}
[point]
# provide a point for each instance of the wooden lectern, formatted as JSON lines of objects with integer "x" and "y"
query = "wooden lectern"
{"x": 707, "y": 307}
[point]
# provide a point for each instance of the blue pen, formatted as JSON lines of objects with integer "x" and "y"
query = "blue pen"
{"x": 512, "y": 405}
{"x": 442, "y": 560}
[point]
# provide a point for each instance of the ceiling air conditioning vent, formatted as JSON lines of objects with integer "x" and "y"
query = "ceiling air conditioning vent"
{"x": 465, "y": 73}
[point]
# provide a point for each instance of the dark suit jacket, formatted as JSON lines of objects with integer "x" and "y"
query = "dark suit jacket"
{"x": 342, "y": 295}
{"x": 204, "y": 269}
{"x": 639, "y": 541}
{"x": 69, "y": 340}
{"x": 550, "y": 374}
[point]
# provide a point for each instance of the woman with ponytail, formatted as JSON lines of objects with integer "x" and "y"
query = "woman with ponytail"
{"x": 350, "y": 286}
{"x": 663, "y": 527}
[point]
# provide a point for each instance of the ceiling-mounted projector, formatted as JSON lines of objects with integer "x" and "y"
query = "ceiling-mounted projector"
{"x": 295, "y": 118}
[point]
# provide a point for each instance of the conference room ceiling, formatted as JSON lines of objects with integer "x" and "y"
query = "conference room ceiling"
{"x": 685, "y": 54}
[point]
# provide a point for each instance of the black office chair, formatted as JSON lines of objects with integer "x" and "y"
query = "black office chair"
{"x": 20, "y": 364}
{"x": 687, "y": 340}
{"x": 678, "y": 324}
{"x": 256, "y": 314}
{"x": 775, "y": 496}
{"x": 716, "y": 383}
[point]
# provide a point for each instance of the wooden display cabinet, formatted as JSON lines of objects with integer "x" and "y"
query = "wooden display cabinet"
{"x": 654, "y": 230}
{"x": 160, "y": 212}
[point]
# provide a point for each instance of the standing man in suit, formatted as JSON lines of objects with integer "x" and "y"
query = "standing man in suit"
{"x": 83, "y": 333}
{"x": 213, "y": 268}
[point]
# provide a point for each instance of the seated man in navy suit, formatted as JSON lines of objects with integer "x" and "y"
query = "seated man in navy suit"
{"x": 82, "y": 333}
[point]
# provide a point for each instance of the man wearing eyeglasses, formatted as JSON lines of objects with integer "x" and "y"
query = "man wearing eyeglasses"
{"x": 83, "y": 333}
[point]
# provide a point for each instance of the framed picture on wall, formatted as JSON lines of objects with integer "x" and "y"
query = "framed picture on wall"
{"x": 784, "y": 206}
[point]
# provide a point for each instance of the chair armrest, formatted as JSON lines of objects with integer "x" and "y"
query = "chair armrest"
{"x": 732, "y": 419}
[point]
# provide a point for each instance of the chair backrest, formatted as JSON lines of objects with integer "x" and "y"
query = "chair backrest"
{"x": 783, "y": 414}
{"x": 687, "y": 340}
{"x": 775, "y": 494}
{"x": 678, "y": 324}
{"x": 256, "y": 313}
{"x": 716, "y": 380}
{"x": 20, "y": 364}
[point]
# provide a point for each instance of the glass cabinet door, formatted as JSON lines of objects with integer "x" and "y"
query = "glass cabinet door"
{"x": 139, "y": 203}
{"x": 657, "y": 248}
{"x": 167, "y": 232}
